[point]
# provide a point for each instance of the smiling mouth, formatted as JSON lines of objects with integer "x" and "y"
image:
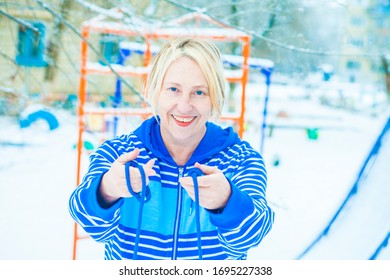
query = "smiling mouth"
{"x": 183, "y": 121}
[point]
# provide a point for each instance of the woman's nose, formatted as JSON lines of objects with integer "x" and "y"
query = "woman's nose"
{"x": 184, "y": 104}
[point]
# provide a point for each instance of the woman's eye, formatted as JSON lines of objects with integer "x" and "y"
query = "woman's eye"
{"x": 173, "y": 89}
{"x": 199, "y": 92}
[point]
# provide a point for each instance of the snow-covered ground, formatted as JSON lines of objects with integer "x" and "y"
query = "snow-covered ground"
{"x": 309, "y": 177}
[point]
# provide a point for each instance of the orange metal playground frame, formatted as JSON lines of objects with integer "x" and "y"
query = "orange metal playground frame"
{"x": 177, "y": 28}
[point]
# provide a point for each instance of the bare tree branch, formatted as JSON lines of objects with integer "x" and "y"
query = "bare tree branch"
{"x": 20, "y": 21}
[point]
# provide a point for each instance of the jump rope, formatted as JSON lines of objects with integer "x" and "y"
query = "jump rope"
{"x": 145, "y": 195}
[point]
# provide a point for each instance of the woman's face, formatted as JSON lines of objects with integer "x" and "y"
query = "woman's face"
{"x": 184, "y": 103}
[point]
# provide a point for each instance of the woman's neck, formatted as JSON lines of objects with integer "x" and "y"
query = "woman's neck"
{"x": 180, "y": 155}
{"x": 180, "y": 151}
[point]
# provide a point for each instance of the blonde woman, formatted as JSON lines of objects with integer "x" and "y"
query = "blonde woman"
{"x": 179, "y": 186}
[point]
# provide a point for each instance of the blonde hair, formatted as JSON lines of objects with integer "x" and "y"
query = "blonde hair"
{"x": 204, "y": 53}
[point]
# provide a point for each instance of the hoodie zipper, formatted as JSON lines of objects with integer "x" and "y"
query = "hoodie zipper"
{"x": 178, "y": 215}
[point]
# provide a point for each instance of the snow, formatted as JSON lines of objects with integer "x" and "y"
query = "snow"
{"x": 364, "y": 218}
{"x": 252, "y": 61}
{"x": 308, "y": 179}
{"x": 138, "y": 47}
{"x": 128, "y": 70}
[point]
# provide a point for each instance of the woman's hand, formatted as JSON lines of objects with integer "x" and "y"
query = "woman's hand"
{"x": 113, "y": 184}
{"x": 214, "y": 188}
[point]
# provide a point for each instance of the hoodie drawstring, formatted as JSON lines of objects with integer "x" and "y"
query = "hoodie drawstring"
{"x": 194, "y": 173}
{"x": 142, "y": 197}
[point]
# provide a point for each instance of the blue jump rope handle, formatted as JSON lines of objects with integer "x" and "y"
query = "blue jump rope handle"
{"x": 142, "y": 197}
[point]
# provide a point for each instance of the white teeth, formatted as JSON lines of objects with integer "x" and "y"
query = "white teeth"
{"x": 185, "y": 120}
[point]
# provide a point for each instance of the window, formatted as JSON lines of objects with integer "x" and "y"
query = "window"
{"x": 356, "y": 42}
{"x": 353, "y": 65}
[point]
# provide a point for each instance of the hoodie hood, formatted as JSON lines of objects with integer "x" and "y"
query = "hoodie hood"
{"x": 215, "y": 140}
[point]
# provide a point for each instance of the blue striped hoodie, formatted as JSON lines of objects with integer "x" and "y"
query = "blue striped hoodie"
{"x": 168, "y": 229}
